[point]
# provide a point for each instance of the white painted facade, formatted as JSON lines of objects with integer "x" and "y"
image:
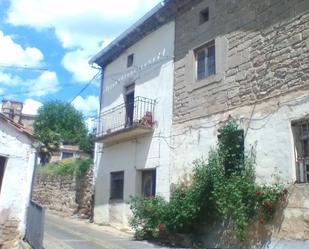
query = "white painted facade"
{"x": 152, "y": 72}
{"x": 268, "y": 131}
{"x": 15, "y": 194}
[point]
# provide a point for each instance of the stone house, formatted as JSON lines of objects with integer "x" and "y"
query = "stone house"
{"x": 68, "y": 151}
{"x": 249, "y": 61}
{"x": 132, "y": 157}
{"x": 17, "y": 165}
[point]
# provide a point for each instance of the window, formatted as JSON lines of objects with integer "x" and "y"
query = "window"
{"x": 148, "y": 183}
{"x": 66, "y": 155}
{"x": 130, "y": 60}
{"x": 11, "y": 113}
{"x": 2, "y": 167}
{"x": 205, "y": 61}
{"x": 204, "y": 16}
{"x": 117, "y": 180}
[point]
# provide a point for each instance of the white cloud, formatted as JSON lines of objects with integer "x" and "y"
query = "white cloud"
{"x": 91, "y": 124}
{"x": 2, "y": 90}
{"x": 45, "y": 84}
{"x": 12, "y": 53}
{"x": 76, "y": 62}
{"x": 87, "y": 106}
{"x": 80, "y": 26}
{"x": 77, "y": 23}
{"x": 31, "y": 106}
{"x": 7, "y": 79}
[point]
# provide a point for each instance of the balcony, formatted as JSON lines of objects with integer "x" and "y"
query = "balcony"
{"x": 126, "y": 121}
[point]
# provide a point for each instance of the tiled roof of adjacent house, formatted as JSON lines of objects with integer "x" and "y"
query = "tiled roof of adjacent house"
{"x": 16, "y": 126}
{"x": 69, "y": 147}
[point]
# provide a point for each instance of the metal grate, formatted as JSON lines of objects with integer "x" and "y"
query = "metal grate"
{"x": 302, "y": 171}
{"x": 138, "y": 113}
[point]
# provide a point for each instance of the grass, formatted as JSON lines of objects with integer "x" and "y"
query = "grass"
{"x": 65, "y": 167}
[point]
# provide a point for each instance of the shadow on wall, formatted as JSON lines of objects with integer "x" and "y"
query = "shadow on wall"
{"x": 288, "y": 224}
{"x": 220, "y": 235}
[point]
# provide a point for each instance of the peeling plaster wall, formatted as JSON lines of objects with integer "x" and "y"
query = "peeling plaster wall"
{"x": 17, "y": 181}
{"x": 268, "y": 131}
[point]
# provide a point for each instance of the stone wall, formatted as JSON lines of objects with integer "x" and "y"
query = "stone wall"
{"x": 68, "y": 195}
{"x": 262, "y": 50}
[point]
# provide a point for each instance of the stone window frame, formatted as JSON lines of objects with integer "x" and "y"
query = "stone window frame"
{"x": 221, "y": 51}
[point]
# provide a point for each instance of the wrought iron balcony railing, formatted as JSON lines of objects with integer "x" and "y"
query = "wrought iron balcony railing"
{"x": 139, "y": 113}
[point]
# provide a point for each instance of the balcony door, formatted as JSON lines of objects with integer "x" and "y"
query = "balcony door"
{"x": 129, "y": 103}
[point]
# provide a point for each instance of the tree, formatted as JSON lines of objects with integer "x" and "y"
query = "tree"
{"x": 57, "y": 122}
{"x": 49, "y": 143}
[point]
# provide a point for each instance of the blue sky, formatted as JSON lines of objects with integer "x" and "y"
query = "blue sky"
{"x": 56, "y": 38}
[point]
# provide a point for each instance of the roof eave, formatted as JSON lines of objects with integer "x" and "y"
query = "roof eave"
{"x": 116, "y": 44}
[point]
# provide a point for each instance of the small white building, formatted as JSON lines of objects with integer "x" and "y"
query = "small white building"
{"x": 132, "y": 155}
{"x": 17, "y": 164}
{"x": 68, "y": 151}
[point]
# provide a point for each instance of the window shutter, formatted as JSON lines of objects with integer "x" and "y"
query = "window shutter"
{"x": 211, "y": 63}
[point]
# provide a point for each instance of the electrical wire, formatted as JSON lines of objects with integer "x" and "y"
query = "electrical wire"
{"x": 37, "y": 90}
{"x": 42, "y": 89}
{"x": 25, "y": 67}
{"x": 85, "y": 87}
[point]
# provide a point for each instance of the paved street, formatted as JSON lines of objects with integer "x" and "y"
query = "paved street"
{"x": 69, "y": 233}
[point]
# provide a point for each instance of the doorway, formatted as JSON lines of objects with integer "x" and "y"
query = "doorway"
{"x": 301, "y": 142}
{"x": 129, "y": 104}
{"x": 149, "y": 183}
{"x": 2, "y": 168}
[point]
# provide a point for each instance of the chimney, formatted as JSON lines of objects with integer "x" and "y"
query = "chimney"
{"x": 12, "y": 109}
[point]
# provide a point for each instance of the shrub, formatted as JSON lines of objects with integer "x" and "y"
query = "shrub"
{"x": 65, "y": 167}
{"x": 223, "y": 187}
{"x": 148, "y": 215}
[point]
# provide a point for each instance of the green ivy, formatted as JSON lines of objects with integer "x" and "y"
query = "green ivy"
{"x": 222, "y": 187}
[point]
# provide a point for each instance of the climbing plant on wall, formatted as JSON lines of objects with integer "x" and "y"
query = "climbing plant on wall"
{"x": 223, "y": 187}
